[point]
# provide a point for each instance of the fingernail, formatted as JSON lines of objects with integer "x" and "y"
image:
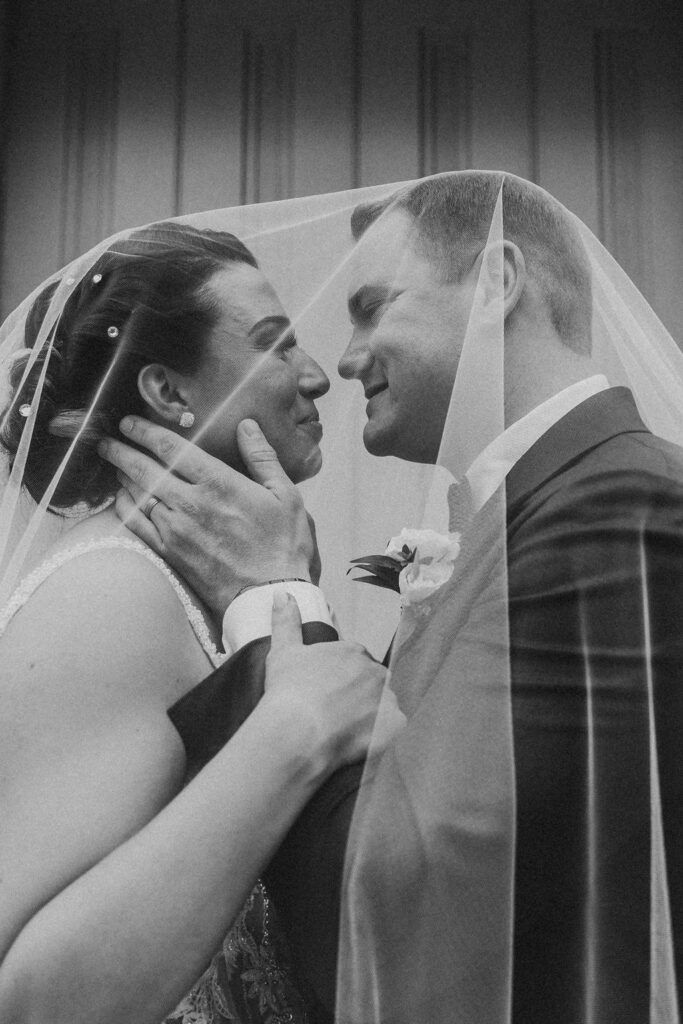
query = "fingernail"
{"x": 103, "y": 448}
{"x": 126, "y": 424}
{"x": 250, "y": 428}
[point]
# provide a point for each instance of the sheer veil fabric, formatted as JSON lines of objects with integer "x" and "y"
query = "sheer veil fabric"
{"x": 441, "y": 817}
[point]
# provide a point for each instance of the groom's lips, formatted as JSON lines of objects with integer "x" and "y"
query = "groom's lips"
{"x": 375, "y": 389}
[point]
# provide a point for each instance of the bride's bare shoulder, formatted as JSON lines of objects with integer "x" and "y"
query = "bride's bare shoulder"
{"x": 104, "y": 615}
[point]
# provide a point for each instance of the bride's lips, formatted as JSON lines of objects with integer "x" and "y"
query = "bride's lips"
{"x": 312, "y": 425}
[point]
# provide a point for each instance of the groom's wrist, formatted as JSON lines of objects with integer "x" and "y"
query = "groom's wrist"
{"x": 249, "y": 615}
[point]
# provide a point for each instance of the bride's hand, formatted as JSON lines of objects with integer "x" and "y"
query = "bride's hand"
{"x": 218, "y": 529}
{"x": 335, "y": 693}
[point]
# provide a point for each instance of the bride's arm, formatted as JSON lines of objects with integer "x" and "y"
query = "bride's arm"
{"x": 112, "y": 898}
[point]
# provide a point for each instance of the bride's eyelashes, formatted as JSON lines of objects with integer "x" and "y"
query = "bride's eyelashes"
{"x": 285, "y": 344}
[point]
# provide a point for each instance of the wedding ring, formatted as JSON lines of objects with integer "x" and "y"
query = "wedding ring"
{"x": 149, "y": 506}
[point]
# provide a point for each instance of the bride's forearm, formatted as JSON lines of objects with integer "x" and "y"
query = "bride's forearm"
{"x": 129, "y": 938}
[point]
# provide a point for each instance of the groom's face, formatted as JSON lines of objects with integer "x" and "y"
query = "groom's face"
{"x": 408, "y": 330}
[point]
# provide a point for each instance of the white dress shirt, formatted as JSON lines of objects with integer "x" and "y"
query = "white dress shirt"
{"x": 490, "y": 468}
{"x": 249, "y": 615}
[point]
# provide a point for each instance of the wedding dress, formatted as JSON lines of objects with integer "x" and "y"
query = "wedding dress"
{"x": 249, "y": 978}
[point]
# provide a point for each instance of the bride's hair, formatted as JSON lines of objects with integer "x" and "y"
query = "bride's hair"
{"x": 143, "y": 301}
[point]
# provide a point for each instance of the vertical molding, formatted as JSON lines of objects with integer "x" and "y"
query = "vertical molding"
{"x": 444, "y": 113}
{"x": 89, "y": 140}
{"x": 245, "y": 106}
{"x": 534, "y": 151}
{"x": 8, "y": 46}
{"x": 604, "y": 143}
{"x": 181, "y": 104}
{"x": 268, "y": 118}
{"x": 422, "y": 101}
{"x": 356, "y": 91}
{"x": 619, "y": 129}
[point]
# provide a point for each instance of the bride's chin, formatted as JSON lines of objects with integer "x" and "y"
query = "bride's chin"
{"x": 306, "y": 467}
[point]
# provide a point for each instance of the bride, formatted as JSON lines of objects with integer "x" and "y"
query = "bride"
{"x": 118, "y": 883}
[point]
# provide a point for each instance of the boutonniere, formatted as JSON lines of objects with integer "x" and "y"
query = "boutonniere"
{"x": 415, "y": 564}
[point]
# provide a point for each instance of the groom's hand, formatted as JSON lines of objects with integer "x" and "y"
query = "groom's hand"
{"x": 337, "y": 690}
{"x": 218, "y": 529}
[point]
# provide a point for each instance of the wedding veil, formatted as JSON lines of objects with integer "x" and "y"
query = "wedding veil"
{"x": 437, "y": 818}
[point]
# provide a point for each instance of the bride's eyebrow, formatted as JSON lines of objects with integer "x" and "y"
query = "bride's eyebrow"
{"x": 281, "y": 323}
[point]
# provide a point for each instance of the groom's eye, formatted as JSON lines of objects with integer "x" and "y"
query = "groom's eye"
{"x": 369, "y": 314}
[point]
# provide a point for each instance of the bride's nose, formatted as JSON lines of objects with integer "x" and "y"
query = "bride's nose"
{"x": 313, "y": 381}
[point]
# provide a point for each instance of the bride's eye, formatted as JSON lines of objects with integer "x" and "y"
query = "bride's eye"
{"x": 285, "y": 344}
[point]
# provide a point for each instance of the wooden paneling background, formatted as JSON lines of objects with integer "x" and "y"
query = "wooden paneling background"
{"x": 122, "y": 111}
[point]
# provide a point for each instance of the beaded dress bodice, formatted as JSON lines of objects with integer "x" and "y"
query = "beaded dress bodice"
{"x": 249, "y": 978}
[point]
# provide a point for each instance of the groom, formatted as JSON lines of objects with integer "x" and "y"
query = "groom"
{"x": 592, "y": 497}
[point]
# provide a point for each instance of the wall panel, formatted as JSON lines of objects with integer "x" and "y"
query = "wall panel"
{"x": 146, "y": 172}
{"x": 565, "y": 107}
{"x": 142, "y": 110}
{"x": 211, "y": 130}
{"x": 33, "y": 217}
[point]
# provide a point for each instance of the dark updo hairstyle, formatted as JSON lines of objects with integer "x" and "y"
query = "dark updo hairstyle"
{"x": 148, "y": 291}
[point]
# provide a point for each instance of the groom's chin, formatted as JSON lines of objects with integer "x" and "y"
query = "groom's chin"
{"x": 378, "y": 441}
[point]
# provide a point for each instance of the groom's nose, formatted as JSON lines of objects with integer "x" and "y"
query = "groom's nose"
{"x": 356, "y": 359}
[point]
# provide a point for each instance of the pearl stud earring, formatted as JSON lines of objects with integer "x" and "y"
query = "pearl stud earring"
{"x": 186, "y": 420}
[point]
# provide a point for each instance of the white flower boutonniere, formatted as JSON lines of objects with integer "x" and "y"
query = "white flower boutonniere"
{"x": 416, "y": 564}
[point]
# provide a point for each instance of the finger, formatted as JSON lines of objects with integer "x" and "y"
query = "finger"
{"x": 138, "y": 523}
{"x": 177, "y": 453}
{"x": 286, "y": 620}
{"x": 143, "y": 470}
{"x": 137, "y": 494}
{"x": 259, "y": 457}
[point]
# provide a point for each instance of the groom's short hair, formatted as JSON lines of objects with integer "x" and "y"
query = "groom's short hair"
{"x": 453, "y": 215}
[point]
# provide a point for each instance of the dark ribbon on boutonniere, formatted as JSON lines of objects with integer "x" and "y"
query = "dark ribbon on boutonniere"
{"x": 384, "y": 570}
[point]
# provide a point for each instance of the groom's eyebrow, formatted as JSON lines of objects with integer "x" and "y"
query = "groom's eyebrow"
{"x": 367, "y": 296}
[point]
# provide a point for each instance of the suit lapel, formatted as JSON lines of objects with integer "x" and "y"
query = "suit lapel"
{"x": 588, "y": 425}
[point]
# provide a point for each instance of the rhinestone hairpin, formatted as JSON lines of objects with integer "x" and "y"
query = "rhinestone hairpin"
{"x": 96, "y": 278}
{"x": 113, "y": 332}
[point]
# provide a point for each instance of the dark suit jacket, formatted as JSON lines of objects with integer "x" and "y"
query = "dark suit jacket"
{"x": 595, "y": 522}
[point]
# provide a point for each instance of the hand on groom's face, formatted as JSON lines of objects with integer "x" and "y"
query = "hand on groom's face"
{"x": 219, "y": 530}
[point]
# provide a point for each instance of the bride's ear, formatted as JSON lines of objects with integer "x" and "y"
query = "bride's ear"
{"x": 162, "y": 390}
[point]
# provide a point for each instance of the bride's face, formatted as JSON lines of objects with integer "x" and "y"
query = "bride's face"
{"x": 253, "y": 367}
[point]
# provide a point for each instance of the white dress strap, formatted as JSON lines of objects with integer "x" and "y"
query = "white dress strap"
{"x": 30, "y": 584}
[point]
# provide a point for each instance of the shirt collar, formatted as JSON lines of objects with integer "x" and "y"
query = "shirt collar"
{"x": 489, "y": 469}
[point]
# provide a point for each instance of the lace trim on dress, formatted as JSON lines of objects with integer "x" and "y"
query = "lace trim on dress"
{"x": 30, "y": 584}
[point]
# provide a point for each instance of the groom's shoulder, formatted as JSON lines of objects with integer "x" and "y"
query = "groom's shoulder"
{"x": 629, "y": 476}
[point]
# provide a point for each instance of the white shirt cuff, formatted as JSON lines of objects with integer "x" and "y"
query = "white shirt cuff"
{"x": 249, "y": 615}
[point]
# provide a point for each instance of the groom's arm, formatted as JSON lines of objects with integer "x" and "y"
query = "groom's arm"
{"x": 596, "y": 581}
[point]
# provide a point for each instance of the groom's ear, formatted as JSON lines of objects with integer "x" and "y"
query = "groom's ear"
{"x": 514, "y": 276}
{"x": 162, "y": 392}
